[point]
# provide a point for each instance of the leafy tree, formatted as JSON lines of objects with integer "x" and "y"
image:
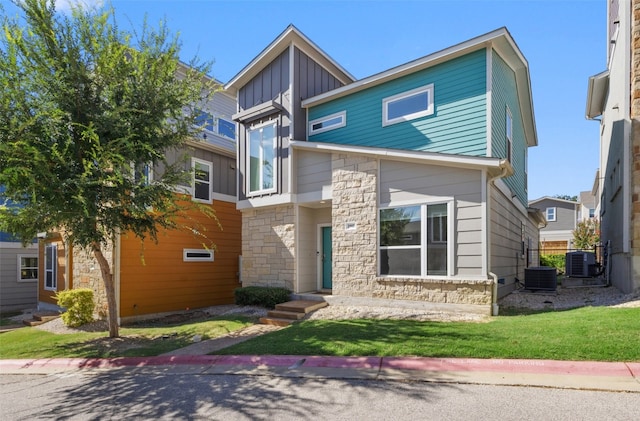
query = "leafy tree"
{"x": 566, "y": 197}
{"x": 587, "y": 234}
{"x": 82, "y": 106}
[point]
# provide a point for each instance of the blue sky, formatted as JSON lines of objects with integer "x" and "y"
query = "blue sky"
{"x": 563, "y": 41}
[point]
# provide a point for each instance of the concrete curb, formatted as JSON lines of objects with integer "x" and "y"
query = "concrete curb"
{"x": 588, "y": 375}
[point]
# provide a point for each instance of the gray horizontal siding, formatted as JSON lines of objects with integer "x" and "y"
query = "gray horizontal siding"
{"x": 313, "y": 171}
{"x": 13, "y": 294}
{"x": 565, "y": 214}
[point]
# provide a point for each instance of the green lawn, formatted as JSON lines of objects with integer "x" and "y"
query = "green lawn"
{"x": 30, "y": 342}
{"x": 598, "y": 334}
{"x": 591, "y": 333}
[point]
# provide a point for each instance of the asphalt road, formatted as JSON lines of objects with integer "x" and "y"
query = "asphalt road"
{"x": 117, "y": 395}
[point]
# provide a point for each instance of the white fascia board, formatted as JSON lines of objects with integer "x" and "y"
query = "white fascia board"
{"x": 451, "y": 160}
{"x": 410, "y": 67}
{"x": 290, "y": 35}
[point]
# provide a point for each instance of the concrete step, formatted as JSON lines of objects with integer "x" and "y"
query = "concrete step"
{"x": 278, "y": 314}
{"x": 39, "y": 319}
{"x": 301, "y": 306}
{"x": 274, "y": 321}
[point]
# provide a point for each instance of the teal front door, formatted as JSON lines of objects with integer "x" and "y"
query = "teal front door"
{"x": 326, "y": 258}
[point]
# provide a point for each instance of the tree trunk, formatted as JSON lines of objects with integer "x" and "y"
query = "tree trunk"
{"x": 110, "y": 290}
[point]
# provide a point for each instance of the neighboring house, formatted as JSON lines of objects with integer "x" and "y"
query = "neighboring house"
{"x": 410, "y": 184}
{"x": 587, "y": 208}
{"x": 18, "y": 272}
{"x": 178, "y": 273}
{"x": 561, "y": 215}
{"x": 613, "y": 99}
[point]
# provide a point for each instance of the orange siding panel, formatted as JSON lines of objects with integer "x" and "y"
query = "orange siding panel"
{"x": 154, "y": 278}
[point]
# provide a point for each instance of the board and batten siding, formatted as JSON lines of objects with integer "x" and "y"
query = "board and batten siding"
{"x": 310, "y": 80}
{"x": 269, "y": 84}
{"x": 16, "y": 294}
{"x": 458, "y": 124}
{"x": 402, "y": 183}
{"x": 504, "y": 94}
{"x": 155, "y": 279}
{"x": 224, "y": 173}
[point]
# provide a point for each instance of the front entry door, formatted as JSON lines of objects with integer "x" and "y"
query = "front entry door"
{"x": 326, "y": 258}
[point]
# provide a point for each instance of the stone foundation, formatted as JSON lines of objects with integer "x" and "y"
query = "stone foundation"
{"x": 86, "y": 274}
{"x": 444, "y": 291}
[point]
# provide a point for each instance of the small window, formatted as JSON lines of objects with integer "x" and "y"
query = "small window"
{"x": 204, "y": 120}
{"x": 197, "y": 255}
{"x": 201, "y": 180}
{"x": 551, "y": 214}
{"x": 27, "y": 268}
{"x": 142, "y": 174}
{"x": 51, "y": 267}
{"x": 330, "y": 122}
{"x": 407, "y": 105}
{"x": 509, "y": 135}
{"x": 227, "y": 128}
{"x": 592, "y": 213}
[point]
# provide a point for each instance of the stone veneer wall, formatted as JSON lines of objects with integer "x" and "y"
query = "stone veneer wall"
{"x": 86, "y": 274}
{"x": 355, "y": 251}
{"x": 268, "y": 247}
{"x": 635, "y": 142}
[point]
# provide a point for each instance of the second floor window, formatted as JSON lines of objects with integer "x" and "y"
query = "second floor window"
{"x": 509, "y": 134}
{"x": 408, "y": 105}
{"x": 551, "y": 214}
{"x": 262, "y": 158}
{"x": 201, "y": 180}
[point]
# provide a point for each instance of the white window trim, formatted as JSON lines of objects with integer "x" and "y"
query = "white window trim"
{"x": 209, "y": 164}
{"x": 133, "y": 172}
{"x": 423, "y": 240}
{"x": 386, "y": 101}
{"x": 509, "y": 134}
{"x": 343, "y": 122}
{"x": 555, "y": 216}
{"x": 19, "y": 277}
{"x": 275, "y": 160}
{"x": 54, "y": 268}
{"x": 217, "y": 126}
{"x": 187, "y": 258}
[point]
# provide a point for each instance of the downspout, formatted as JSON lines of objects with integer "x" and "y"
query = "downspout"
{"x": 494, "y": 292}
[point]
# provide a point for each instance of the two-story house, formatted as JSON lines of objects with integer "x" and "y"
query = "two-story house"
{"x": 562, "y": 215}
{"x": 410, "y": 184}
{"x": 613, "y": 99}
{"x": 179, "y": 272}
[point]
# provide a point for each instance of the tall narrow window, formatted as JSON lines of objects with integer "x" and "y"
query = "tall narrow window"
{"x": 262, "y": 159}
{"x": 437, "y": 244}
{"x": 509, "y": 135}
{"x": 51, "y": 267}
{"x": 201, "y": 180}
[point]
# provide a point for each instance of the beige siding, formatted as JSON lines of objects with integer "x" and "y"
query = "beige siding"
{"x": 313, "y": 172}
{"x": 402, "y": 182}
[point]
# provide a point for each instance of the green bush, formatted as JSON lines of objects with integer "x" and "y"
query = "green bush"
{"x": 78, "y": 304}
{"x": 557, "y": 261}
{"x": 261, "y": 296}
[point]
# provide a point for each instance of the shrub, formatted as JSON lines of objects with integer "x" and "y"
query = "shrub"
{"x": 78, "y": 304}
{"x": 261, "y": 296}
{"x": 557, "y": 261}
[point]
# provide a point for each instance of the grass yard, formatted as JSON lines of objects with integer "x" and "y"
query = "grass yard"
{"x": 140, "y": 340}
{"x": 590, "y": 333}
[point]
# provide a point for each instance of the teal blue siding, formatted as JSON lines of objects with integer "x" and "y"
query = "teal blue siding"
{"x": 458, "y": 124}
{"x": 504, "y": 94}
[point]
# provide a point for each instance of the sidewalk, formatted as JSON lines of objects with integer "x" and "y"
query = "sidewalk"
{"x": 621, "y": 377}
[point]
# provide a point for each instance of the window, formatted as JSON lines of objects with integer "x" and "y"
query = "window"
{"x": 509, "y": 134}
{"x": 551, "y": 214}
{"x": 414, "y": 240}
{"x": 330, "y": 122}
{"x": 27, "y": 268}
{"x": 51, "y": 267}
{"x": 227, "y": 128}
{"x": 201, "y": 180}
{"x": 262, "y": 158}
{"x": 592, "y": 213}
{"x": 142, "y": 173}
{"x": 197, "y": 255}
{"x": 407, "y": 105}
{"x": 204, "y": 120}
